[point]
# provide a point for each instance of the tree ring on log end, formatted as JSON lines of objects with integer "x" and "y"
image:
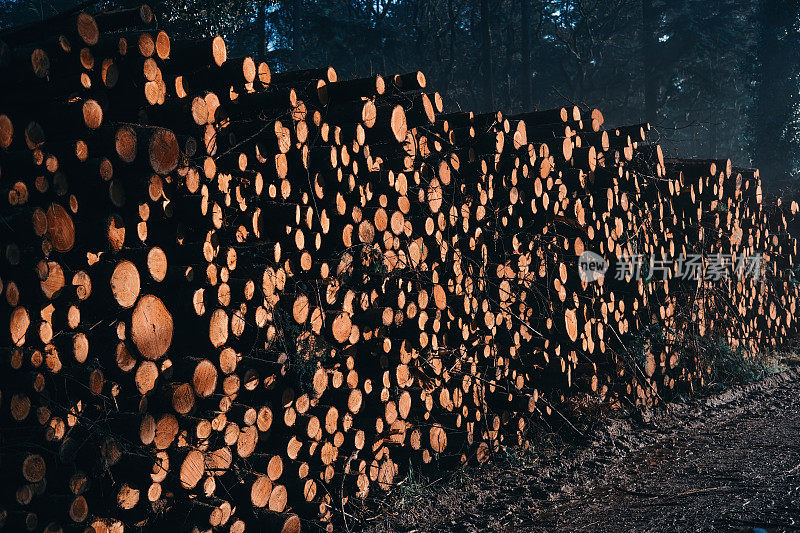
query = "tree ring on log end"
{"x": 151, "y": 327}
{"x": 125, "y": 284}
{"x": 164, "y": 151}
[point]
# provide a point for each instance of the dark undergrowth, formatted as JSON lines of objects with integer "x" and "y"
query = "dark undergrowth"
{"x": 731, "y": 366}
{"x": 550, "y": 440}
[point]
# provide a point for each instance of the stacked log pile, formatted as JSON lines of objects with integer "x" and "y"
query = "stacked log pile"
{"x": 240, "y": 300}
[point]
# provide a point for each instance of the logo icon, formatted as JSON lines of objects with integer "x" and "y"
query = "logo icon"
{"x": 591, "y": 266}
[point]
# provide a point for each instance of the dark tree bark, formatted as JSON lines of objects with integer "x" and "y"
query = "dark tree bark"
{"x": 297, "y": 35}
{"x": 261, "y": 23}
{"x": 713, "y": 137}
{"x": 526, "y": 55}
{"x": 451, "y": 30}
{"x": 486, "y": 56}
{"x": 648, "y": 44}
{"x": 773, "y": 119}
{"x": 510, "y": 79}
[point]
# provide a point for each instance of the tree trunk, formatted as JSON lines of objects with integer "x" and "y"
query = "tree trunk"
{"x": 261, "y": 22}
{"x": 526, "y": 55}
{"x": 452, "y": 32}
{"x": 297, "y": 35}
{"x": 486, "y": 57}
{"x": 713, "y": 137}
{"x": 648, "y": 57}
{"x": 773, "y": 111}
{"x": 511, "y": 48}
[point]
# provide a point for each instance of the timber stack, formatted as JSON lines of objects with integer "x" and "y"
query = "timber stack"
{"x": 240, "y": 299}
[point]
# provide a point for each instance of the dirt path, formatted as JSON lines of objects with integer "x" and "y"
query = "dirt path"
{"x": 724, "y": 463}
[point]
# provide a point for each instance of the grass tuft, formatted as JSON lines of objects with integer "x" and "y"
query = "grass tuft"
{"x": 729, "y": 366}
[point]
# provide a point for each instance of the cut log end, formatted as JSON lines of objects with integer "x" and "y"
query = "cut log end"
{"x": 192, "y": 469}
{"x": 125, "y": 284}
{"x": 60, "y": 228}
{"x": 164, "y": 151}
{"x": 151, "y": 327}
{"x": 399, "y": 124}
{"x": 6, "y": 131}
{"x": 125, "y": 144}
{"x": 87, "y": 29}
{"x": 34, "y": 468}
{"x": 219, "y": 50}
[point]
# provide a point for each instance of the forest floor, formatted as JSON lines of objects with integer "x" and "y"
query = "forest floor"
{"x": 724, "y": 462}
